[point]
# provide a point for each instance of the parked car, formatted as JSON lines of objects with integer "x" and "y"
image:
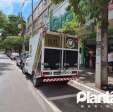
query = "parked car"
{"x": 8, "y": 53}
{"x": 18, "y": 60}
{"x": 25, "y": 68}
{"x": 14, "y": 55}
{"x": 23, "y": 58}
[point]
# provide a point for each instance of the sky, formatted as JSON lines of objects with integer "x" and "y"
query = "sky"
{"x": 15, "y": 6}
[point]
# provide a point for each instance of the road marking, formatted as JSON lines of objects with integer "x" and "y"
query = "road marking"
{"x": 62, "y": 97}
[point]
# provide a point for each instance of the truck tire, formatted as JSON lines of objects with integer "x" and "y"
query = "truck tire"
{"x": 37, "y": 82}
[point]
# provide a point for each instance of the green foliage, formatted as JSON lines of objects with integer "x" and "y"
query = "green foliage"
{"x": 68, "y": 27}
{"x": 12, "y": 26}
{"x": 3, "y": 20}
{"x": 14, "y": 42}
{"x": 88, "y": 14}
{"x": 9, "y": 25}
{"x": 57, "y": 23}
{"x": 77, "y": 25}
{"x": 87, "y": 11}
{"x": 73, "y": 28}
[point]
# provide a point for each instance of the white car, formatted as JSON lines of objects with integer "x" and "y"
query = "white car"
{"x": 14, "y": 55}
{"x": 25, "y": 69}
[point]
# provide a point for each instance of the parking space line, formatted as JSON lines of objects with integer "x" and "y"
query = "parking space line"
{"x": 62, "y": 97}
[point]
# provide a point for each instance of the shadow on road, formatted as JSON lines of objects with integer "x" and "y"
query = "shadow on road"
{"x": 55, "y": 89}
{"x": 4, "y": 67}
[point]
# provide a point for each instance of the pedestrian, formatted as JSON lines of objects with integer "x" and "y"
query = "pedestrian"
{"x": 91, "y": 55}
{"x": 110, "y": 61}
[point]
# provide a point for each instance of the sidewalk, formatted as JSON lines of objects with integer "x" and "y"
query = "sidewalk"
{"x": 86, "y": 81}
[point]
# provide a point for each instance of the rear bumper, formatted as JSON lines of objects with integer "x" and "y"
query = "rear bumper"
{"x": 59, "y": 78}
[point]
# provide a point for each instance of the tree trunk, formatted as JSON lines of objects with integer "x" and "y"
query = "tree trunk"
{"x": 101, "y": 78}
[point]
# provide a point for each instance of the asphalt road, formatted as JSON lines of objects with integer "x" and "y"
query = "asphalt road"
{"x": 18, "y": 95}
{"x": 64, "y": 97}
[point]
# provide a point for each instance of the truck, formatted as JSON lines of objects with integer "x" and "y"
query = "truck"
{"x": 54, "y": 57}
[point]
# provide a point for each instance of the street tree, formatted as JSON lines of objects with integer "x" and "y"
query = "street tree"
{"x": 3, "y": 22}
{"x": 12, "y": 25}
{"x": 9, "y": 25}
{"x": 15, "y": 43}
{"x": 94, "y": 12}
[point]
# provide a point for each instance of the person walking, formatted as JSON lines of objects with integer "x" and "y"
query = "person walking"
{"x": 110, "y": 61}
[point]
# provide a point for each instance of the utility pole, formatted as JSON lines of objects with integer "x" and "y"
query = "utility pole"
{"x": 21, "y": 26}
{"x": 22, "y": 34}
{"x": 32, "y": 17}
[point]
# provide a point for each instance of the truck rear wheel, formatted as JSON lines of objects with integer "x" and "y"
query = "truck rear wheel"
{"x": 37, "y": 82}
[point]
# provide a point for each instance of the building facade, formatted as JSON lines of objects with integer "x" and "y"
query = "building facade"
{"x": 40, "y": 16}
{"x": 48, "y": 15}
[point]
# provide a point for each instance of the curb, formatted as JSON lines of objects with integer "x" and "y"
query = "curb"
{"x": 52, "y": 107}
{"x": 48, "y": 106}
{"x": 84, "y": 87}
